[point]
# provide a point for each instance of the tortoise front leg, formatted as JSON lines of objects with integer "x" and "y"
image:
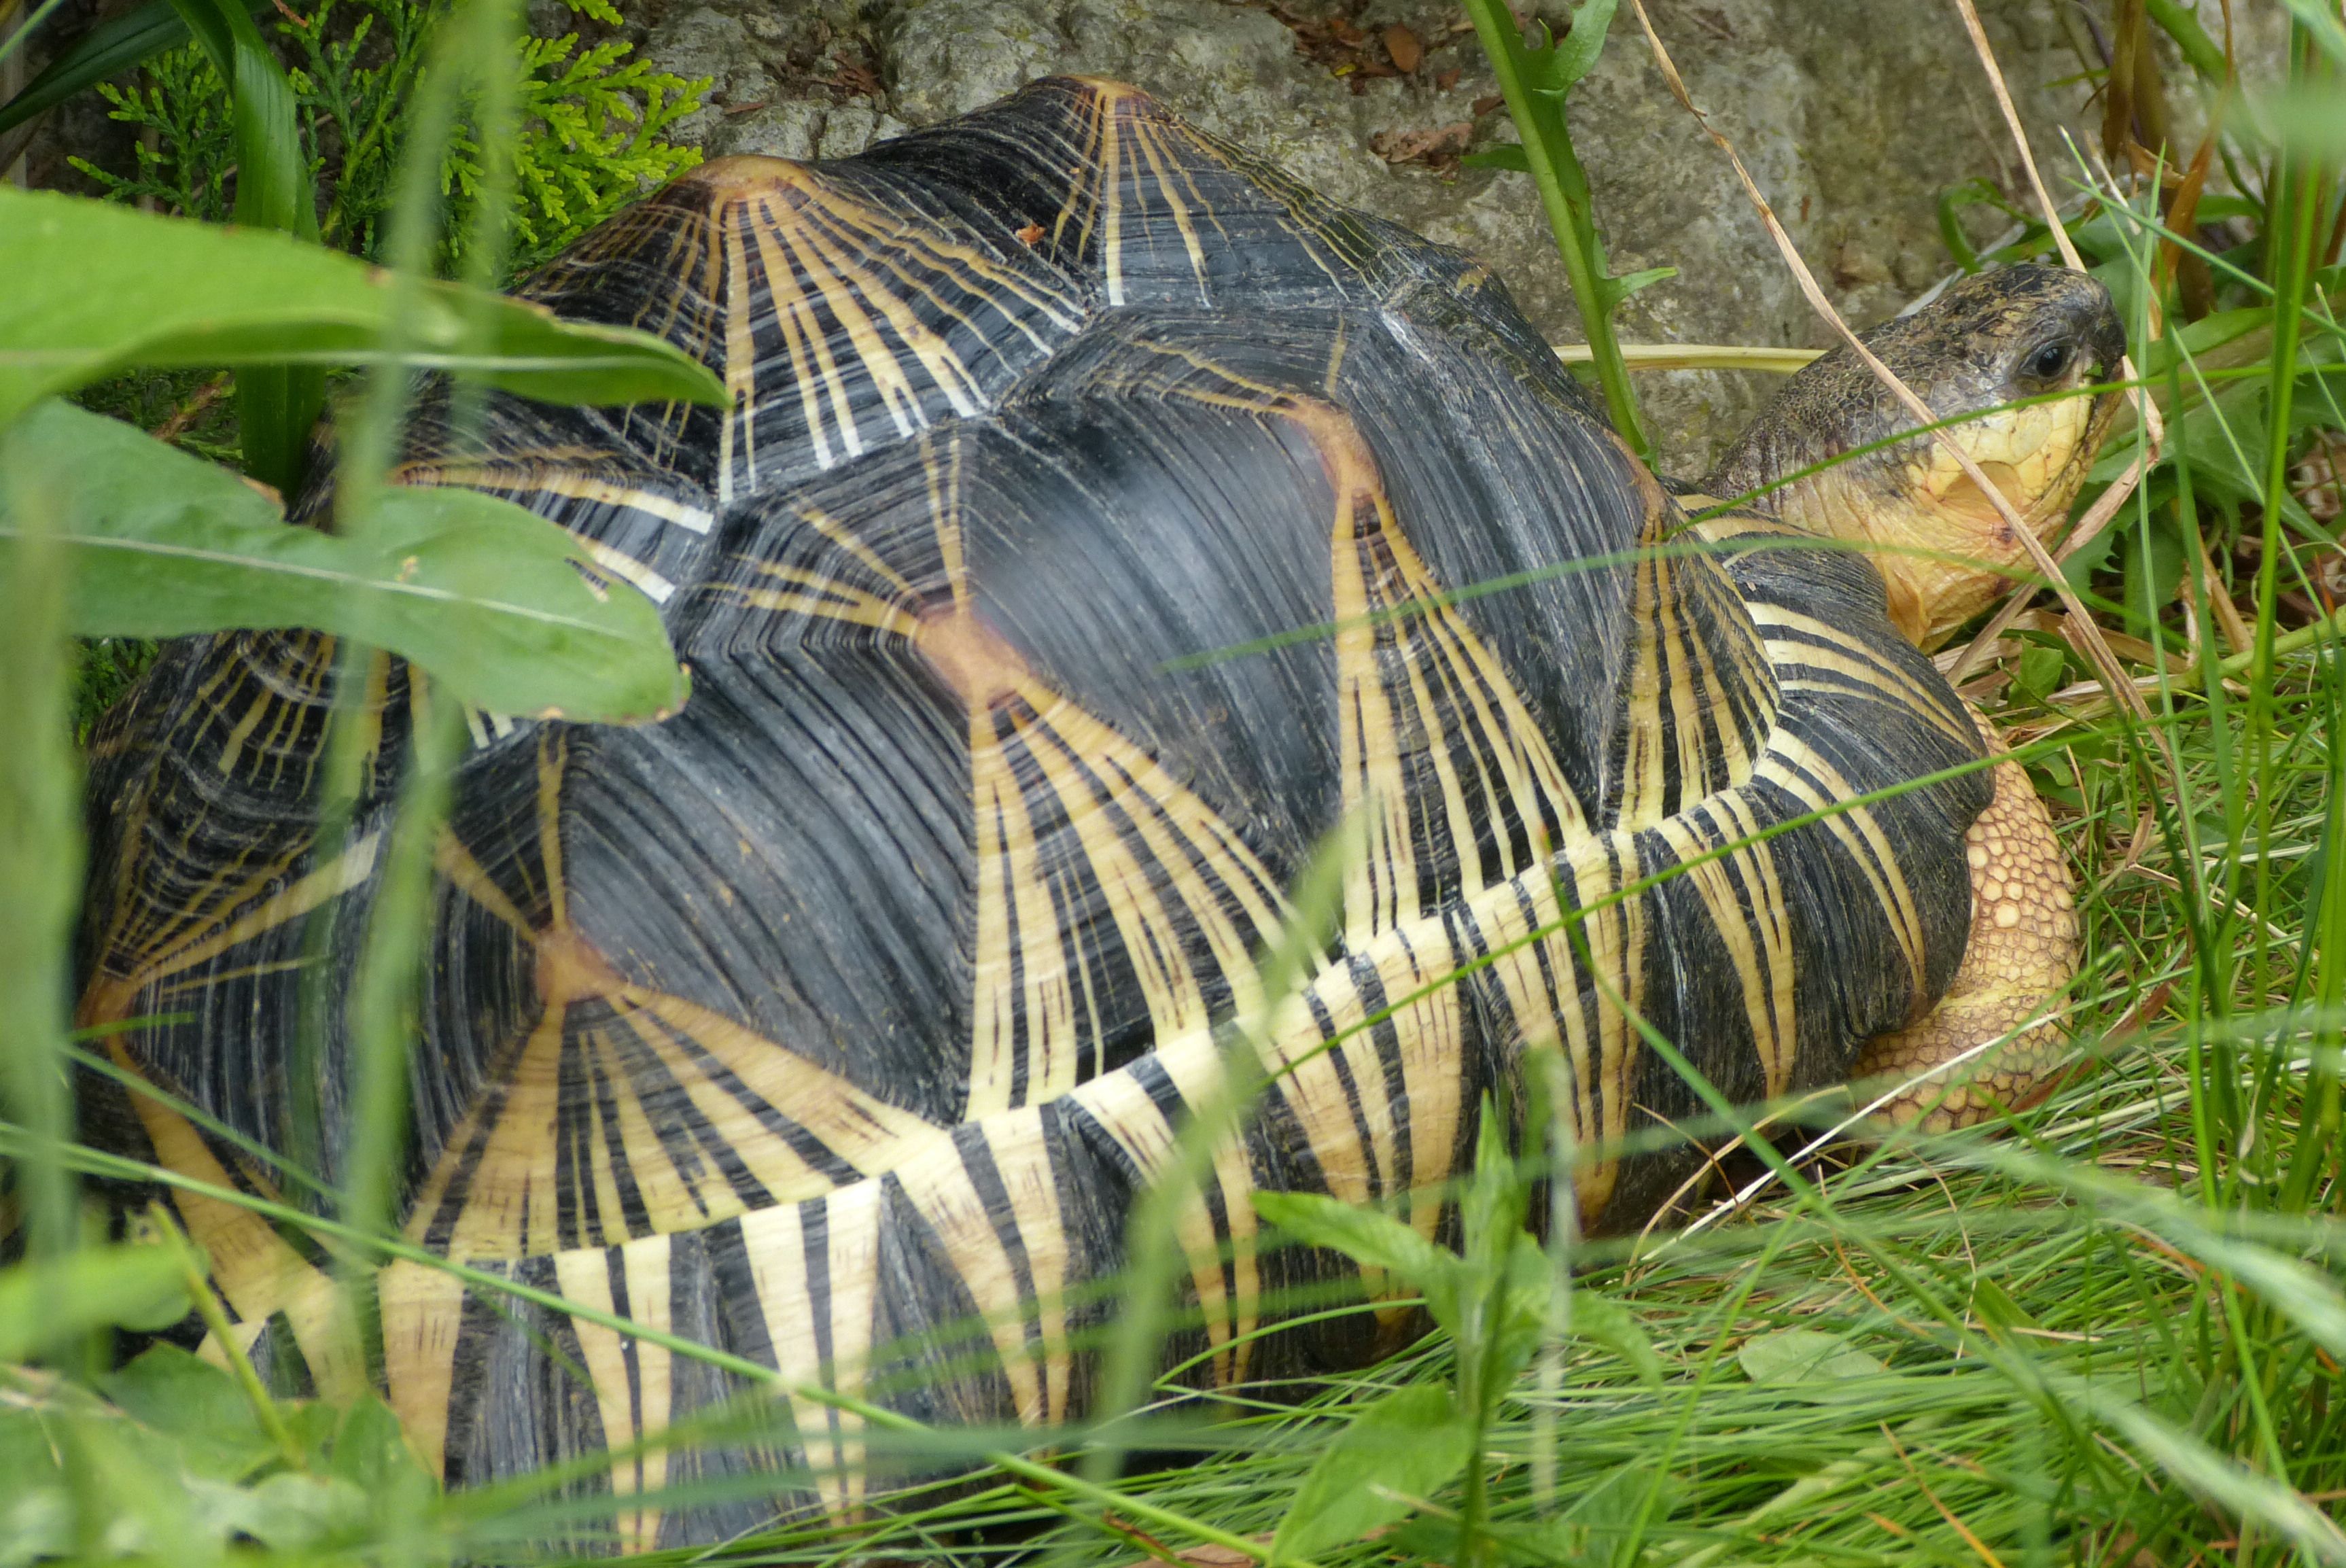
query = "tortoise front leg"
{"x": 2022, "y": 950}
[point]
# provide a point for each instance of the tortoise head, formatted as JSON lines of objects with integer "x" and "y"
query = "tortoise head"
{"x": 1997, "y": 352}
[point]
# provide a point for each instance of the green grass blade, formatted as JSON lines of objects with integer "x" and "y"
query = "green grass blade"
{"x": 276, "y": 404}
{"x": 106, "y": 50}
{"x": 40, "y": 847}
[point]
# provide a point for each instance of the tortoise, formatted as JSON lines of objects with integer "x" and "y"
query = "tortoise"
{"x": 1083, "y": 545}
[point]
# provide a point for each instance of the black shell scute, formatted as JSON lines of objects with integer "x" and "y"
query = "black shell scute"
{"x": 1101, "y": 524}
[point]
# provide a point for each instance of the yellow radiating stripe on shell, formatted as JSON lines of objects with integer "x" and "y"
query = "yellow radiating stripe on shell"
{"x": 1015, "y": 1142}
{"x": 111, "y": 998}
{"x": 821, "y": 597}
{"x": 510, "y": 1200}
{"x": 1642, "y": 785}
{"x": 936, "y": 355}
{"x": 1148, "y": 141}
{"x": 512, "y": 1181}
{"x": 423, "y": 1312}
{"x": 938, "y": 1184}
{"x": 465, "y": 874}
{"x": 789, "y": 1300}
{"x": 656, "y": 588}
{"x": 550, "y": 478}
{"x": 1756, "y": 941}
{"x": 1828, "y": 648}
{"x": 633, "y": 1378}
{"x": 255, "y": 1270}
{"x": 1016, "y": 933}
{"x": 1795, "y": 767}
{"x": 847, "y": 539}
{"x": 1124, "y": 1110}
{"x": 1383, "y": 589}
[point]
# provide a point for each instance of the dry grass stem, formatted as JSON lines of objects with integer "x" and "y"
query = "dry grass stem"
{"x": 2105, "y": 506}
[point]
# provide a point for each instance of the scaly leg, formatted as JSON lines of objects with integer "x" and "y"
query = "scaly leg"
{"x": 2023, "y": 949}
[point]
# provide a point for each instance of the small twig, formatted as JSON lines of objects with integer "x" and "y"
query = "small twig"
{"x": 1959, "y": 1528}
{"x": 1697, "y": 357}
{"x": 2019, "y": 135}
{"x": 186, "y": 414}
{"x": 2154, "y": 430}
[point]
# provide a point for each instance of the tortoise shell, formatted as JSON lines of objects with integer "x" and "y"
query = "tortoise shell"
{"x": 1101, "y": 520}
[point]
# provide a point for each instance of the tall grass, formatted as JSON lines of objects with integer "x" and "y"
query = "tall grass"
{"x": 2111, "y": 1335}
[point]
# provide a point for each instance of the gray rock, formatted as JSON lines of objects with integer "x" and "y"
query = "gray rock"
{"x": 1853, "y": 115}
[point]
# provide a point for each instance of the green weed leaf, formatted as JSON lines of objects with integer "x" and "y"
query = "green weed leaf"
{"x": 1557, "y": 66}
{"x": 1506, "y": 154}
{"x": 1491, "y": 1214}
{"x": 1601, "y": 1320}
{"x": 2040, "y": 671}
{"x": 94, "y": 287}
{"x": 1617, "y": 289}
{"x": 1805, "y": 1356}
{"x": 53, "y": 1302}
{"x": 1364, "y": 1235}
{"x": 188, "y": 1398}
{"x": 172, "y": 1470}
{"x": 1404, "y": 1446}
{"x": 486, "y": 595}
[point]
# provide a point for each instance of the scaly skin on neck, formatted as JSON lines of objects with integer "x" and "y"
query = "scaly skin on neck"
{"x": 1944, "y": 551}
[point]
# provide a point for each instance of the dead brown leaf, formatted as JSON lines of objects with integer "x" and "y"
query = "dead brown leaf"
{"x": 852, "y": 77}
{"x": 1439, "y": 147}
{"x": 1402, "y": 48}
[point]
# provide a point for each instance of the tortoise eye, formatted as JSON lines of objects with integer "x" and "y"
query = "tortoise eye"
{"x": 2047, "y": 362}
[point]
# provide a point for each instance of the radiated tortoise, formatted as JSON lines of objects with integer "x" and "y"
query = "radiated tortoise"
{"x": 1101, "y": 521}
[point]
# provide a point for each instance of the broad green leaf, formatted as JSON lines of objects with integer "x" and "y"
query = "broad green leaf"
{"x": 2040, "y": 671}
{"x": 1601, "y": 1320}
{"x": 2150, "y": 559}
{"x": 47, "y": 1304}
{"x": 148, "y": 1477}
{"x": 1364, "y": 1235}
{"x": 1506, "y": 154}
{"x": 288, "y": 1512}
{"x": 187, "y": 1398}
{"x": 1527, "y": 1308}
{"x": 1805, "y": 1356}
{"x": 1408, "y": 1444}
{"x": 371, "y": 1453}
{"x": 486, "y": 596}
{"x": 94, "y": 287}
